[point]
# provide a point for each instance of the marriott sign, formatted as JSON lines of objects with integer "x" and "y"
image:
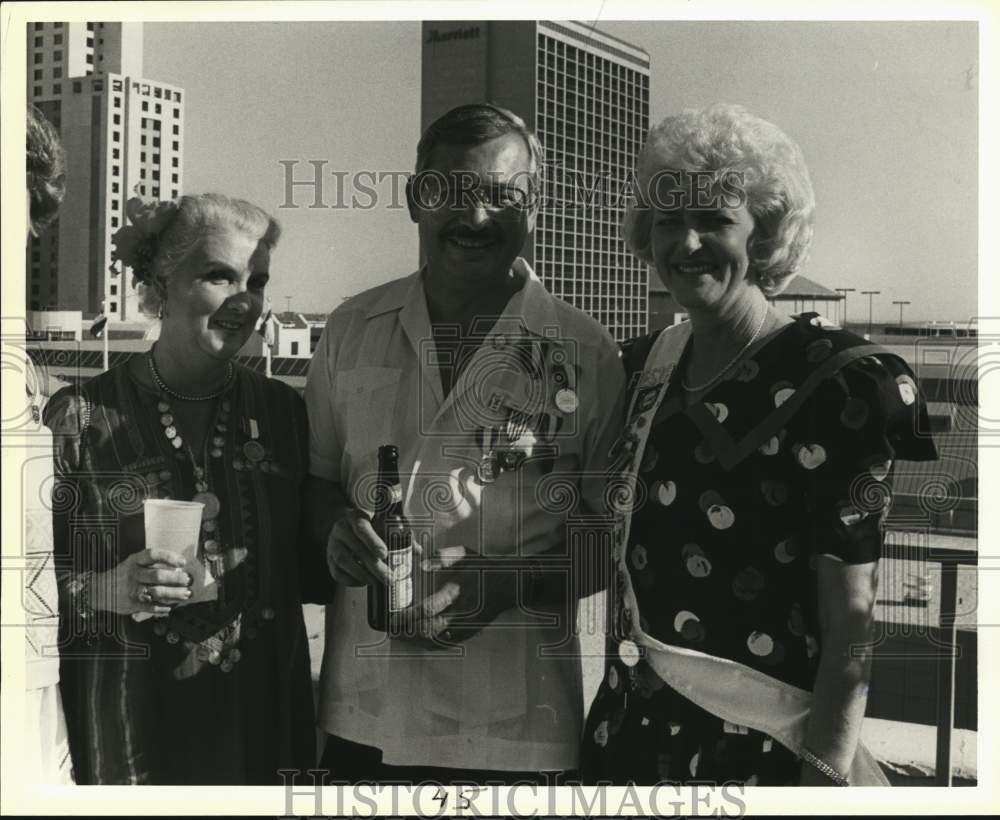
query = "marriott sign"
{"x": 435, "y": 36}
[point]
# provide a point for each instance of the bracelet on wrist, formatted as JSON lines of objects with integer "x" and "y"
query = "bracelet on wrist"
{"x": 80, "y": 592}
{"x": 824, "y": 768}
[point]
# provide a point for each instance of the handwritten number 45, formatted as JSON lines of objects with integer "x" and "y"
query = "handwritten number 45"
{"x": 463, "y": 801}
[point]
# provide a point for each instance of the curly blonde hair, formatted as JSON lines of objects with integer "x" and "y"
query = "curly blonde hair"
{"x": 727, "y": 139}
{"x": 45, "y": 164}
{"x": 177, "y": 232}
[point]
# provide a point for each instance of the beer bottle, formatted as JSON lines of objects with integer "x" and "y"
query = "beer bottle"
{"x": 390, "y": 524}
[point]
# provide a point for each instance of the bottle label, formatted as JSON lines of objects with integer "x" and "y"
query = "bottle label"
{"x": 394, "y": 494}
{"x": 401, "y": 586}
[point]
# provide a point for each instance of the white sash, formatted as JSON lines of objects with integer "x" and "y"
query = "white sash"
{"x": 730, "y": 690}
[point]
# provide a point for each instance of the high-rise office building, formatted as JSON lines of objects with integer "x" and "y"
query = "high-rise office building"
{"x": 586, "y": 95}
{"x": 122, "y": 133}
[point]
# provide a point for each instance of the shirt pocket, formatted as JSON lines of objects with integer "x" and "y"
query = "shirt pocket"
{"x": 368, "y": 401}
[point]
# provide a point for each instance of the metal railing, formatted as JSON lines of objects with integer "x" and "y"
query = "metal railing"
{"x": 944, "y": 634}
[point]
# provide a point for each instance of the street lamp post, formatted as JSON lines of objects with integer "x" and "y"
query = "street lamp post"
{"x": 844, "y": 291}
{"x": 870, "y": 294}
{"x": 900, "y": 303}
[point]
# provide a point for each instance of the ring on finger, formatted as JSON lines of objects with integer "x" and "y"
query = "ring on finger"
{"x": 143, "y": 595}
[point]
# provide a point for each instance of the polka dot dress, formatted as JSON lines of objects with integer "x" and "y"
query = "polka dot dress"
{"x": 745, "y": 489}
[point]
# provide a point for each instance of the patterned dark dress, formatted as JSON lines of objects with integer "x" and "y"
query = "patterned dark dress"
{"x": 789, "y": 457}
{"x": 145, "y": 704}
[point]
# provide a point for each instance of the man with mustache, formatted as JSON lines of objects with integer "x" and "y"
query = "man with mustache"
{"x": 489, "y": 387}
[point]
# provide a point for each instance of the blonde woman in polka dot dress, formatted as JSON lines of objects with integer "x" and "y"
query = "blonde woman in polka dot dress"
{"x": 763, "y": 449}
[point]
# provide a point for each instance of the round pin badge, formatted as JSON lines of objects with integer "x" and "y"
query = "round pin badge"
{"x": 253, "y": 450}
{"x": 211, "y": 502}
{"x": 567, "y": 401}
{"x": 629, "y": 652}
{"x": 760, "y": 644}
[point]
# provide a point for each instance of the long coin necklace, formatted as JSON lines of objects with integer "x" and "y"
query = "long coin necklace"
{"x": 210, "y": 549}
{"x": 221, "y": 648}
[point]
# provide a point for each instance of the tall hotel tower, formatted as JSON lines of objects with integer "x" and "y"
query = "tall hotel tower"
{"x": 122, "y": 133}
{"x": 586, "y": 95}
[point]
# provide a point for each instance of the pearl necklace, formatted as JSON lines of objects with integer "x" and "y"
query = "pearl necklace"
{"x": 162, "y": 385}
{"x": 698, "y": 388}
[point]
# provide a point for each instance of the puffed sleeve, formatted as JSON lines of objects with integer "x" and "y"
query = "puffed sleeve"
{"x": 65, "y": 416}
{"x": 845, "y": 442}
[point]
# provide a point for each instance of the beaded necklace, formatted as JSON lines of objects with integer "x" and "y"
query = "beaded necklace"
{"x": 165, "y": 388}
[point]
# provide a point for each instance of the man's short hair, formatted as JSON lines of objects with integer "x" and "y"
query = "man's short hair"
{"x": 46, "y": 171}
{"x": 472, "y": 125}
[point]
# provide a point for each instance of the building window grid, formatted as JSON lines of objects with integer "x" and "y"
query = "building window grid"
{"x": 602, "y": 150}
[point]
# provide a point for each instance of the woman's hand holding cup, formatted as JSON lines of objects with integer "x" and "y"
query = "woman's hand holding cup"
{"x": 151, "y": 581}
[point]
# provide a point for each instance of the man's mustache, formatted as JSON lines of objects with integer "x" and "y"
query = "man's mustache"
{"x": 466, "y": 233}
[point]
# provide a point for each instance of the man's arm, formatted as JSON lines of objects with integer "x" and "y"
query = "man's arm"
{"x": 542, "y": 582}
{"x": 355, "y": 554}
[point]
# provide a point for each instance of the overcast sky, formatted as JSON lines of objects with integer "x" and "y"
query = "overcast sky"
{"x": 886, "y": 114}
